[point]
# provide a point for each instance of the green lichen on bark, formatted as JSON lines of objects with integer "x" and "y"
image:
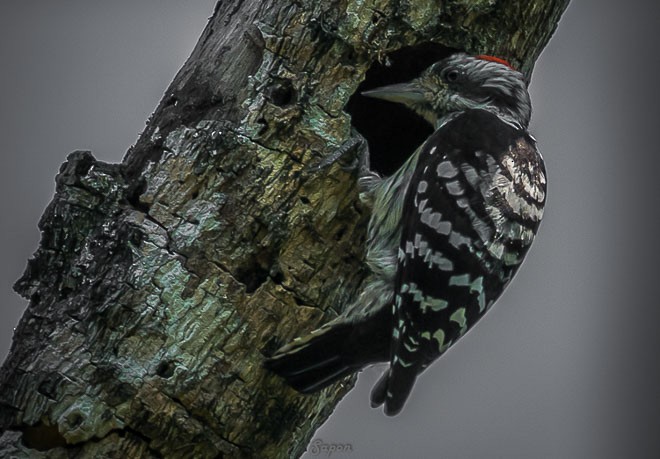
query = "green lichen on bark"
{"x": 160, "y": 282}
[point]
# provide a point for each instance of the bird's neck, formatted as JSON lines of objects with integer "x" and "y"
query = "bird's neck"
{"x": 512, "y": 118}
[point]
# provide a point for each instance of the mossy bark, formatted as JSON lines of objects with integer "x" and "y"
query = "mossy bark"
{"x": 160, "y": 282}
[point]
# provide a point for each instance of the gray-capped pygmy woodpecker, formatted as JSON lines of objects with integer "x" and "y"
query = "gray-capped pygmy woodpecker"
{"x": 447, "y": 231}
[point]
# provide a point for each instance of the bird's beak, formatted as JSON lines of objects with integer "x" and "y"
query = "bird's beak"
{"x": 403, "y": 93}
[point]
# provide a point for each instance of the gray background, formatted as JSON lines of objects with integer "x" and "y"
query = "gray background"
{"x": 564, "y": 367}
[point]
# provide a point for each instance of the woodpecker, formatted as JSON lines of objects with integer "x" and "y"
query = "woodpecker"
{"x": 447, "y": 231}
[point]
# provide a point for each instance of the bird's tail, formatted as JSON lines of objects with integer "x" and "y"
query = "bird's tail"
{"x": 393, "y": 388}
{"x": 332, "y": 352}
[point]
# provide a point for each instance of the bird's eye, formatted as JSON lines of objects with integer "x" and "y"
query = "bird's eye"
{"x": 452, "y": 76}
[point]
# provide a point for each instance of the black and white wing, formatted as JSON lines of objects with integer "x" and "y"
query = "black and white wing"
{"x": 470, "y": 213}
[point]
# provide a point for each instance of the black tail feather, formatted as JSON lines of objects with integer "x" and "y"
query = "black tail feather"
{"x": 400, "y": 383}
{"x": 313, "y": 382}
{"x": 393, "y": 388}
{"x": 379, "y": 391}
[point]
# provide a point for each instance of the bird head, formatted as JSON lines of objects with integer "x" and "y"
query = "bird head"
{"x": 462, "y": 82}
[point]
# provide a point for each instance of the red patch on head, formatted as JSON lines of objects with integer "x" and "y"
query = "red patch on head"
{"x": 485, "y": 57}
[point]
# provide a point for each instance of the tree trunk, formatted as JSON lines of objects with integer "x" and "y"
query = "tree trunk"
{"x": 161, "y": 282}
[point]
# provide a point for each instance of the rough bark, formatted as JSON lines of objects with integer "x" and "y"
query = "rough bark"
{"x": 160, "y": 282}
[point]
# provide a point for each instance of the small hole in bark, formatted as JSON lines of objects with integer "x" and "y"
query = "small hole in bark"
{"x": 65, "y": 291}
{"x": 48, "y": 387}
{"x": 304, "y": 200}
{"x": 393, "y": 131}
{"x": 264, "y": 125}
{"x": 281, "y": 93}
{"x": 75, "y": 420}
{"x": 277, "y": 276}
{"x": 165, "y": 369}
{"x": 252, "y": 275}
{"x": 348, "y": 55}
{"x": 195, "y": 194}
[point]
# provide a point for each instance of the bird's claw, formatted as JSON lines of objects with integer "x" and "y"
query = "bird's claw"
{"x": 344, "y": 156}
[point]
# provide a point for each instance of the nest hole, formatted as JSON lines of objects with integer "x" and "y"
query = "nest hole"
{"x": 393, "y": 131}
